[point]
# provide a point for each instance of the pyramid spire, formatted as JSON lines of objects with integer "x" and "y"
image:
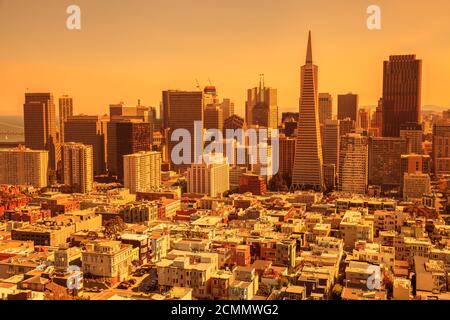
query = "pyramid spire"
{"x": 309, "y": 50}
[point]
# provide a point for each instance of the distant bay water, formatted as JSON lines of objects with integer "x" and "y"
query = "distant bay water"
{"x": 11, "y": 128}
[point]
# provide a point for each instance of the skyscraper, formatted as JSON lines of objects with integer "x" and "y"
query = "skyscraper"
{"x": 228, "y": 108}
{"x": 142, "y": 171}
{"x": 363, "y": 119}
{"x": 325, "y": 107}
{"x": 330, "y": 145}
{"x": 213, "y": 117}
{"x": 126, "y": 137}
{"x": 347, "y": 106}
{"x": 376, "y": 122}
{"x": 353, "y": 163}
{"x": 40, "y": 124}
{"x": 441, "y": 149}
{"x": 65, "y": 111}
{"x": 307, "y": 170}
{"x": 77, "y": 162}
{"x": 287, "y": 155}
{"x": 21, "y": 166}
{"x": 402, "y": 89}
{"x": 89, "y": 130}
{"x": 261, "y": 107}
{"x": 180, "y": 111}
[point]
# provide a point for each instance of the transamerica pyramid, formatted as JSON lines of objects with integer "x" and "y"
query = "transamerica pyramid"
{"x": 307, "y": 171}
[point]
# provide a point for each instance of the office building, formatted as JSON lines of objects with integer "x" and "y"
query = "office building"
{"x": 40, "y": 125}
{"x": 286, "y": 155}
{"x": 65, "y": 111}
{"x": 385, "y": 161}
{"x": 181, "y": 109}
{"x": 325, "y": 107}
{"x": 213, "y": 117}
{"x": 330, "y": 142}
{"x": 348, "y": 106}
{"x": 415, "y": 185}
{"x": 416, "y": 163}
{"x": 261, "y": 108}
{"x": 363, "y": 119}
{"x": 89, "y": 130}
{"x": 413, "y": 133}
{"x": 441, "y": 150}
{"x": 227, "y": 108}
{"x": 402, "y": 89}
{"x": 126, "y": 137}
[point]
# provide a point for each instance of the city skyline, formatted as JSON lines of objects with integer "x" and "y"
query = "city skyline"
{"x": 132, "y": 181}
{"x": 137, "y": 67}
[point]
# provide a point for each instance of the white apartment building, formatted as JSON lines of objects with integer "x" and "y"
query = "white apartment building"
{"x": 77, "y": 162}
{"x": 21, "y": 166}
{"x": 210, "y": 177}
{"x": 142, "y": 171}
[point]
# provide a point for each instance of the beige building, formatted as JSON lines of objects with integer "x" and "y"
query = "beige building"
{"x": 107, "y": 259}
{"x": 354, "y": 227}
{"x": 21, "y": 166}
{"x": 188, "y": 269}
{"x": 77, "y": 166}
{"x": 142, "y": 171}
{"x": 211, "y": 177}
{"x": 353, "y": 164}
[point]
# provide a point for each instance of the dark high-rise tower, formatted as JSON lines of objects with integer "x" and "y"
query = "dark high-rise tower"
{"x": 307, "y": 170}
{"x": 348, "y": 106}
{"x": 402, "y": 82}
{"x": 40, "y": 124}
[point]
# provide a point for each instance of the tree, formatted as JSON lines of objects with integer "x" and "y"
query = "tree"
{"x": 114, "y": 226}
{"x": 336, "y": 293}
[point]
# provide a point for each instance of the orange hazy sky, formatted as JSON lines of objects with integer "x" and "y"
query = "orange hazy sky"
{"x": 134, "y": 49}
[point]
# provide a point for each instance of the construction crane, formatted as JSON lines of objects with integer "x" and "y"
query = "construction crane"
{"x": 198, "y": 85}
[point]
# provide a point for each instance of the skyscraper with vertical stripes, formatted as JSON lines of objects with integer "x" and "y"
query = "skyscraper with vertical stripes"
{"x": 307, "y": 172}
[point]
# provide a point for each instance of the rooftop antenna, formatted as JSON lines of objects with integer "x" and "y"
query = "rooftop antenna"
{"x": 261, "y": 87}
{"x": 209, "y": 80}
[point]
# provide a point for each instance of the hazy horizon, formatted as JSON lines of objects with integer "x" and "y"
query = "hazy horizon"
{"x": 126, "y": 53}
